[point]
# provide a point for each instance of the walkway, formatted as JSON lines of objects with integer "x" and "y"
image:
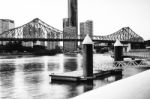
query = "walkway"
{"x": 134, "y": 87}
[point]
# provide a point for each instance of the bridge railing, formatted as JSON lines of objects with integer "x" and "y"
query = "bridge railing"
{"x": 138, "y": 54}
{"x": 122, "y": 65}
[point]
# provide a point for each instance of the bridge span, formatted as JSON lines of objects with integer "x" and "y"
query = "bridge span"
{"x": 37, "y": 30}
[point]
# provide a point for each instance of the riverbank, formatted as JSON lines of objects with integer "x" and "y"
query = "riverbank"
{"x": 25, "y": 54}
{"x": 14, "y": 55}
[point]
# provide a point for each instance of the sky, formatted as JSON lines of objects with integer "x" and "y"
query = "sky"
{"x": 108, "y": 15}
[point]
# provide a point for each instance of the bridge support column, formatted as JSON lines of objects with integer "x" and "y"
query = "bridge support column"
{"x": 118, "y": 51}
{"x": 2, "y": 43}
{"x": 34, "y": 43}
{"x": 88, "y": 58}
{"x": 129, "y": 47}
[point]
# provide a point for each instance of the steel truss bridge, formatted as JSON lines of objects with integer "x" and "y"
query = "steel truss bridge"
{"x": 37, "y": 30}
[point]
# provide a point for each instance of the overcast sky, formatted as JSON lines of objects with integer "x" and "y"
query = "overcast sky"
{"x": 108, "y": 15}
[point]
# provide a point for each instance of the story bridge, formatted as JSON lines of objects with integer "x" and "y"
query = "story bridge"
{"x": 37, "y": 30}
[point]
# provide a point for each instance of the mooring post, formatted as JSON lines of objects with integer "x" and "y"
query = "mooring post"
{"x": 87, "y": 57}
{"x": 118, "y": 51}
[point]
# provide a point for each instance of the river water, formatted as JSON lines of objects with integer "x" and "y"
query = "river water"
{"x": 30, "y": 78}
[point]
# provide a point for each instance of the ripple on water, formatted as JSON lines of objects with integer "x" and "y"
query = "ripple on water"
{"x": 30, "y": 78}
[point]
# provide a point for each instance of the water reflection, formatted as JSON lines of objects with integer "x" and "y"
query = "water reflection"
{"x": 33, "y": 67}
{"x": 88, "y": 86}
{"x": 30, "y": 78}
{"x": 53, "y": 66}
{"x": 6, "y": 83}
{"x": 70, "y": 65}
{"x": 7, "y": 70}
{"x": 72, "y": 89}
{"x": 7, "y": 67}
{"x": 113, "y": 78}
{"x": 6, "y": 79}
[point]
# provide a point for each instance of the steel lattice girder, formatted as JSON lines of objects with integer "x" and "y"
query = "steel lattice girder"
{"x": 39, "y": 29}
{"x": 124, "y": 34}
{"x": 34, "y": 29}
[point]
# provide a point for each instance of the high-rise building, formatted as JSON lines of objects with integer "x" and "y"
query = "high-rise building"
{"x": 86, "y": 28}
{"x": 89, "y": 28}
{"x": 82, "y": 29}
{"x": 6, "y": 24}
{"x": 66, "y": 22}
{"x": 70, "y": 26}
{"x": 73, "y": 12}
{"x": 69, "y": 46}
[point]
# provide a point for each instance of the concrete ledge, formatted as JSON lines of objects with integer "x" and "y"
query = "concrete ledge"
{"x": 134, "y": 87}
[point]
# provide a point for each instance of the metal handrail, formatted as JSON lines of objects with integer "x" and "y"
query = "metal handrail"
{"x": 138, "y": 54}
{"x": 122, "y": 64}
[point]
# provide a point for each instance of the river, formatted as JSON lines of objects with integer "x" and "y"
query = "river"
{"x": 30, "y": 78}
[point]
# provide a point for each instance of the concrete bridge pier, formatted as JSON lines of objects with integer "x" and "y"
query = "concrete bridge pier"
{"x": 3, "y": 42}
{"x": 88, "y": 58}
{"x": 34, "y": 43}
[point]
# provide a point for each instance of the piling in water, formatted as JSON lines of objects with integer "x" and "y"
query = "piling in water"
{"x": 88, "y": 58}
{"x": 118, "y": 51}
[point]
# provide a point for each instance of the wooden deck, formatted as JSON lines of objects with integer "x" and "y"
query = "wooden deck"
{"x": 77, "y": 76}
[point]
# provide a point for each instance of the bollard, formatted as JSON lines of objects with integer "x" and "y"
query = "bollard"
{"x": 118, "y": 51}
{"x": 87, "y": 58}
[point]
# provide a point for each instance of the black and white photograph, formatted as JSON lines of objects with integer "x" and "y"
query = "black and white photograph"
{"x": 74, "y": 49}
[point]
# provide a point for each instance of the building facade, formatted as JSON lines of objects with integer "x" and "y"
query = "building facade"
{"x": 89, "y": 28}
{"x": 82, "y": 29}
{"x": 70, "y": 26}
{"x": 66, "y": 22}
{"x": 73, "y": 12}
{"x": 6, "y": 24}
{"x": 69, "y": 46}
{"x": 86, "y": 28}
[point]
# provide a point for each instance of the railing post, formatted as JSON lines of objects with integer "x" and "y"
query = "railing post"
{"x": 118, "y": 51}
{"x": 87, "y": 58}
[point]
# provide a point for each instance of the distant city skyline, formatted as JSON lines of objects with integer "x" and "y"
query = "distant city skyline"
{"x": 108, "y": 15}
